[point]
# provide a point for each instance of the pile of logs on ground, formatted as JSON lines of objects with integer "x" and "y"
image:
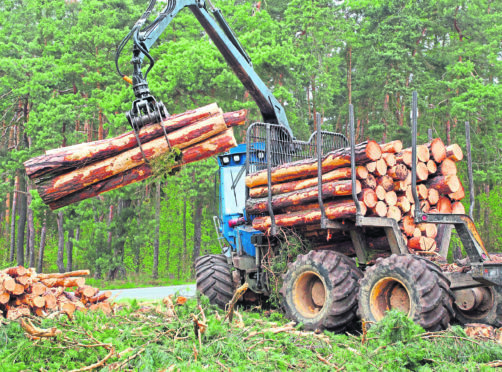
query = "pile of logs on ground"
{"x": 70, "y": 174}
{"x": 23, "y": 292}
{"x": 383, "y": 186}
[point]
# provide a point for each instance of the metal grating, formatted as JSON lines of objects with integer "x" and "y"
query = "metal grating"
{"x": 283, "y": 149}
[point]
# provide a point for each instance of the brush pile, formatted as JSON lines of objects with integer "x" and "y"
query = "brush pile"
{"x": 70, "y": 174}
{"x": 23, "y": 292}
{"x": 383, "y": 185}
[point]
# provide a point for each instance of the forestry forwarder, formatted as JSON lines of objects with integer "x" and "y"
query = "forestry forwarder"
{"x": 323, "y": 289}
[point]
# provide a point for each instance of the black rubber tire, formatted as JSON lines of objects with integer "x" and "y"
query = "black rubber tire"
{"x": 428, "y": 295}
{"x": 339, "y": 276}
{"x": 492, "y": 317}
{"x": 214, "y": 279}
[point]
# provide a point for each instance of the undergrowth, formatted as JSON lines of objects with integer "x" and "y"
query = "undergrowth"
{"x": 145, "y": 338}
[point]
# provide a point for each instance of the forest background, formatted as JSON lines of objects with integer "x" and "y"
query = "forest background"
{"x": 58, "y": 87}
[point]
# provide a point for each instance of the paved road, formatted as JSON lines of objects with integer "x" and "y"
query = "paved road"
{"x": 154, "y": 293}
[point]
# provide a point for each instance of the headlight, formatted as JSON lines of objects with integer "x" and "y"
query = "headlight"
{"x": 261, "y": 155}
{"x": 225, "y": 160}
{"x": 237, "y": 158}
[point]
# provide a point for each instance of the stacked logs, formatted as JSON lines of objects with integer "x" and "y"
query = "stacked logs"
{"x": 23, "y": 292}
{"x": 71, "y": 174}
{"x": 383, "y": 186}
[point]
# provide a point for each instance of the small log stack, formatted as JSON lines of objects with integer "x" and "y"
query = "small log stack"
{"x": 383, "y": 186}
{"x": 74, "y": 173}
{"x": 23, "y": 292}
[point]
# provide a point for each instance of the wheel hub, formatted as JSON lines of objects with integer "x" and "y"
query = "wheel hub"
{"x": 474, "y": 302}
{"x": 309, "y": 294}
{"x": 387, "y": 294}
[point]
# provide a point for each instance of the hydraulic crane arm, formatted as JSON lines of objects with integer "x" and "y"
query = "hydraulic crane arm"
{"x": 225, "y": 40}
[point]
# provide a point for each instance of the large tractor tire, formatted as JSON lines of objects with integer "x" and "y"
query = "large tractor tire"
{"x": 479, "y": 305}
{"x": 214, "y": 279}
{"x": 408, "y": 283}
{"x": 320, "y": 290}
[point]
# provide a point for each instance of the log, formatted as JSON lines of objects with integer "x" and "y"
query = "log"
{"x": 422, "y": 243}
{"x": 432, "y": 196}
{"x": 457, "y": 208}
{"x": 64, "y": 282}
{"x": 100, "y": 297}
{"x": 445, "y": 184}
{"x": 404, "y": 157}
{"x": 425, "y": 206}
{"x": 8, "y": 283}
{"x": 371, "y": 167}
{"x": 62, "y": 185}
{"x": 17, "y": 312}
{"x": 423, "y": 154}
{"x": 422, "y": 192}
{"x": 380, "y": 168}
{"x": 66, "y": 159}
{"x": 64, "y": 275}
{"x": 444, "y": 205}
{"x": 15, "y": 271}
{"x": 86, "y": 291}
{"x": 437, "y": 150}
{"x": 432, "y": 167}
{"x": 428, "y": 229}
{"x": 454, "y": 152}
{"x": 407, "y": 225}
{"x": 403, "y": 203}
{"x": 4, "y": 297}
{"x": 390, "y": 159}
{"x": 50, "y": 301}
{"x": 369, "y": 182}
{"x": 459, "y": 194}
{"x": 330, "y": 189}
{"x": 447, "y": 168}
{"x": 422, "y": 172}
{"x": 392, "y": 147}
{"x": 398, "y": 172}
{"x": 283, "y": 188}
{"x": 417, "y": 233}
{"x": 380, "y": 192}
{"x": 334, "y": 210}
{"x": 394, "y": 212}
{"x": 386, "y": 182}
{"x": 368, "y": 197}
{"x": 380, "y": 209}
{"x": 38, "y": 289}
{"x": 18, "y": 289}
{"x": 365, "y": 152}
{"x": 215, "y": 145}
{"x": 390, "y": 198}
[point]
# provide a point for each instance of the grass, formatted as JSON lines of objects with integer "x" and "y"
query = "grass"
{"x": 145, "y": 338}
{"x": 134, "y": 281}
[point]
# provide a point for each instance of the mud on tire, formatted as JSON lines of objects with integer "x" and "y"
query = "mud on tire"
{"x": 320, "y": 290}
{"x": 214, "y": 279}
{"x": 411, "y": 284}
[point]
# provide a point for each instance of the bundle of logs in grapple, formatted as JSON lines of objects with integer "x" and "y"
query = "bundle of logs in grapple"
{"x": 70, "y": 174}
{"x": 383, "y": 185}
{"x": 23, "y": 292}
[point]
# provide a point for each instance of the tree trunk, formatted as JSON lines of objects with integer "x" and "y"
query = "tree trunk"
{"x": 69, "y": 250}
{"x": 60, "y": 257}
{"x": 31, "y": 230}
{"x": 182, "y": 254}
{"x": 41, "y": 248}
{"x": 197, "y": 230}
{"x": 21, "y": 225}
{"x": 156, "y": 242}
{"x": 13, "y": 219}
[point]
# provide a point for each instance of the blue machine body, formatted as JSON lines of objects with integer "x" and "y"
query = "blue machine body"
{"x": 233, "y": 200}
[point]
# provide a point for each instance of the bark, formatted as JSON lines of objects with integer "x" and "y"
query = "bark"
{"x": 182, "y": 253}
{"x": 41, "y": 248}
{"x": 398, "y": 172}
{"x": 13, "y": 220}
{"x": 454, "y": 152}
{"x": 334, "y": 210}
{"x": 215, "y": 145}
{"x": 69, "y": 250}
{"x": 445, "y": 184}
{"x": 365, "y": 152}
{"x": 31, "y": 230}
{"x": 155, "y": 269}
{"x": 197, "y": 230}
{"x": 330, "y": 189}
{"x": 21, "y": 223}
{"x": 60, "y": 257}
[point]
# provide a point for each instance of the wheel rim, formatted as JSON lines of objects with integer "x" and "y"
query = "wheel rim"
{"x": 309, "y": 294}
{"x": 387, "y": 294}
{"x": 475, "y": 303}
